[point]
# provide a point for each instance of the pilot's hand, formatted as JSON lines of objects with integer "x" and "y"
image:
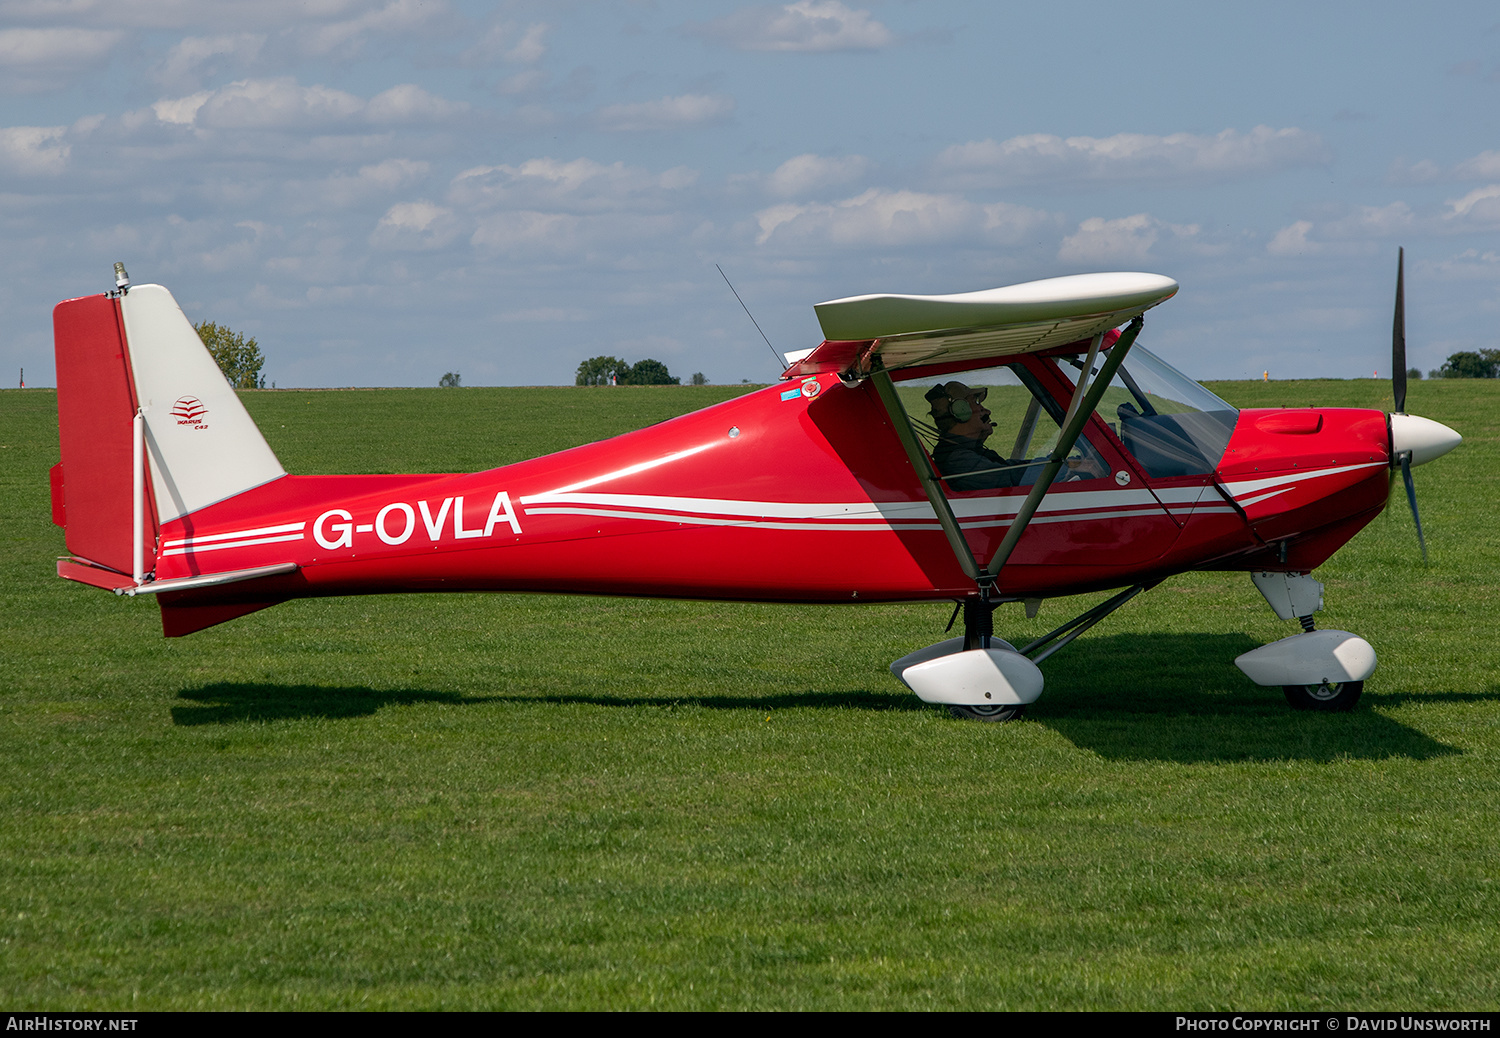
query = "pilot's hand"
{"x": 1083, "y": 468}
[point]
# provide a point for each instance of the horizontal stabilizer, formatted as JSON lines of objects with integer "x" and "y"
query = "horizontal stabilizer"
{"x": 86, "y": 572}
{"x": 908, "y": 331}
{"x": 161, "y": 587}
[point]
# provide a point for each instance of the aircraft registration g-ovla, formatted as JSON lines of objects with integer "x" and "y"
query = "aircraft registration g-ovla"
{"x": 1067, "y": 460}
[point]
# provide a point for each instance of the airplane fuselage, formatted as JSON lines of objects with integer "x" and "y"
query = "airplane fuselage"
{"x": 799, "y": 492}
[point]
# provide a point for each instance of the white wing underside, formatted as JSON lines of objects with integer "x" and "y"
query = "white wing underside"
{"x": 909, "y": 331}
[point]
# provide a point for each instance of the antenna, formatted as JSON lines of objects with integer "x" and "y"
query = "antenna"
{"x": 780, "y": 361}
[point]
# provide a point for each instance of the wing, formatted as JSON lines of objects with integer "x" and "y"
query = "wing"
{"x": 909, "y": 331}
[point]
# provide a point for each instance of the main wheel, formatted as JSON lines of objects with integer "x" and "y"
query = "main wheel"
{"x": 1327, "y": 696}
{"x": 999, "y": 712}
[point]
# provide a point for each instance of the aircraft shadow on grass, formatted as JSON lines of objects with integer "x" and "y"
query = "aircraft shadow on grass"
{"x": 1181, "y": 698}
{"x": 230, "y": 702}
{"x": 1167, "y": 698}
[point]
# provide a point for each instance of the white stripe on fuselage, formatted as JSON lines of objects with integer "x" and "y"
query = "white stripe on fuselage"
{"x": 972, "y": 513}
{"x": 196, "y": 539}
{"x": 1245, "y": 490}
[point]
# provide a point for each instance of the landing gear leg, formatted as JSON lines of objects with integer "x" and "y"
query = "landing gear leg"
{"x": 979, "y": 622}
{"x": 979, "y": 628}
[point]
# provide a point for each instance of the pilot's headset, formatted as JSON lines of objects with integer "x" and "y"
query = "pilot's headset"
{"x": 947, "y": 411}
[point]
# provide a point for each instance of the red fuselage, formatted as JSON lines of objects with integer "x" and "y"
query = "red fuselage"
{"x": 799, "y": 492}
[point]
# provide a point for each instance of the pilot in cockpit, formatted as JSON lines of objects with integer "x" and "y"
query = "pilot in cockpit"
{"x": 963, "y": 424}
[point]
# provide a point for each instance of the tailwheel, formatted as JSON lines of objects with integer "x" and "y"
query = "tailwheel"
{"x": 1325, "y": 696}
{"x": 998, "y": 712}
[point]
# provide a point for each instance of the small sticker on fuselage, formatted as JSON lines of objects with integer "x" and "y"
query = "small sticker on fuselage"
{"x": 791, "y": 394}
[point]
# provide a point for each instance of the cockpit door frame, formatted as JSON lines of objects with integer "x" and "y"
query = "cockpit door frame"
{"x": 1085, "y": 399}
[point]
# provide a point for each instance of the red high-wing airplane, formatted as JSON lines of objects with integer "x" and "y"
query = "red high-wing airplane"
{"x": 864, "y": 476}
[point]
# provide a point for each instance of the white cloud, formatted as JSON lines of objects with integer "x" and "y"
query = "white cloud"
{"x": 1359, "y": 229}
{"x": 1484, "y": 166}
{"x": 1292, "y": 240}
{"x": 181, "y": 111}
{"x": 546, "y": 314}
{"x": 195, "y": 57}
{"x": 1480, "y": 207}
{"x": 614, "y": 238}
{"x": 805, "y": 173}
{"x": 1353, "y": 233}
{"x": 807, "y": 26}
{"x": 1372, "y": 221}
{"x": 33, "y": 150}
{"x": 373, "y": 181}
{"x": 523, "y": 82}
{"x": 1422, "y": 172}
{"x": 1471, "y": 265}
{"x": 174, "y": 14}
{"x": 611, "y": 238}
{"x": 881, "y": 217}
{"x": 503, "y": 41}
{"x": 348, "y": 36}
{"x": 526, "y": 229}
{"x": 669, "y": 113}
{"x": 1042, "y": 158}
{"x": 580, "y": 185}
{"x": 283, "y": 103}
{"x": 530, "y": 47}
{"x": 40, "y": 59}
{"x": 415, "y": 226}
{"x": 274, "y": 104}
{"x": 1130, "y": 238}
{"x": 410, "y": 103}
{"x": 44, "y": 47}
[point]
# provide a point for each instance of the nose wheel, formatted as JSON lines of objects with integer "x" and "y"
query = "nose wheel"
{"x": 1325, "y": 696}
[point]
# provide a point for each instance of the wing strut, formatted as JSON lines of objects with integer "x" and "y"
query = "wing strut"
{"x": 1078, "y": 415}
{"x": 886, "y": 390}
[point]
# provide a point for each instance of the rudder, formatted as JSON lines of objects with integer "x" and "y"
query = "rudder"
{"x": 92, "y": 486}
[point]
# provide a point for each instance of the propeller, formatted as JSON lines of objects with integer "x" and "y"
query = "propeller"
{"x": 1398, "y": 390}
{"x": 1398, "y": 337}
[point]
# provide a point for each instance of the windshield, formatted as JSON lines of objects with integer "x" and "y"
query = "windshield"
{"x": 1168, "y": 422}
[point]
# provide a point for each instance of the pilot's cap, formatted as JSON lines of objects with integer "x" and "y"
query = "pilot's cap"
{"x": 959, "y": 391}
{"x": 944, "y": 395}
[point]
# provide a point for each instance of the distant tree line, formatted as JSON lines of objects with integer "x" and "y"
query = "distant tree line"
{"x": 238, "y": 358}
{"x": 1469, "y": 364}
{"x": 607, "y": 371}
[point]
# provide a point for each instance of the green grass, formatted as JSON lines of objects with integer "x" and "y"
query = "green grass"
{"x": 551, "y": 802}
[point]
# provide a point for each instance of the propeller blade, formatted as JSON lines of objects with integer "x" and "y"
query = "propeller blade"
{"x": 1398, "y": 343}
{"x": 1411, "y": 498}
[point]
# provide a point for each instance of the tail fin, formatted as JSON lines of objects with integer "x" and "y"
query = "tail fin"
{"x": 117, "y": 355}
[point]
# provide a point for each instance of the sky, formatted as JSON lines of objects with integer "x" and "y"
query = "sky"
{"x": 383, "y": 191}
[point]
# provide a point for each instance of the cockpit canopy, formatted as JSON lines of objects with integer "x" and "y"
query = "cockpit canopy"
{"x": 1168, "y": 422}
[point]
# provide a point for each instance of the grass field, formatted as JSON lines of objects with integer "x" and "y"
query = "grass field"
{"x": 548, "y": 802}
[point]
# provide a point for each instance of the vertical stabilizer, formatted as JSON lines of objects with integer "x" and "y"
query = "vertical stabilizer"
{"x": 203, "y": 445}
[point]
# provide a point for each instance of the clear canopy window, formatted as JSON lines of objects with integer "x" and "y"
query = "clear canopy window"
{"x": 1168, "y": 422}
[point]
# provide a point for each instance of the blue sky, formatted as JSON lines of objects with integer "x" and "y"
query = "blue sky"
{"x": 385, "y": 190}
